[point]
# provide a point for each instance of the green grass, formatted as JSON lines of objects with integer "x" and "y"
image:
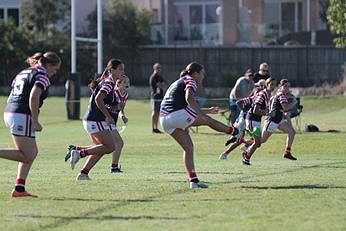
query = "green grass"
{"x": 152, "y": 194}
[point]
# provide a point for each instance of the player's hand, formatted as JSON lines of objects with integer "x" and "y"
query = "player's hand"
{"x": 36, "y": 126}
{"x": 214, "y": 110}
{"x": 109, "y": 120}
{"x": 125, "y": 119}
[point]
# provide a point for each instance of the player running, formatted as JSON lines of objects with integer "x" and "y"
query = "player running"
{"x": 259, "y": 108}
{"x": 121, "y": 95}
{"x": 29, "y": 90}
{"x": 98, "y": 121}
{"x": 244, "y": 104}
{"x": 280, "y": 108}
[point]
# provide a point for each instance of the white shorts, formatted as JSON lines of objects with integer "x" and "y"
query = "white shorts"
{"x": 97, "y": 126}
{"x": 251, "y": 124}
{"x": 178, "y": 119}
{"x": 240, "y": 122}
{"x": 19, "y": 124}
{"x": 271, "y": 126}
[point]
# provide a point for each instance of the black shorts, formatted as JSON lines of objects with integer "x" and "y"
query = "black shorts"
{"x": 155, "y": 104}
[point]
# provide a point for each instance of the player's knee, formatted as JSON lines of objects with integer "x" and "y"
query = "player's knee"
{"x": 29, "y": 156}
{"x": 109, "y": 147}
{"x": 119, "y": 144}
{"x": 293, "y": 132}
{"x": 189, "y": 149}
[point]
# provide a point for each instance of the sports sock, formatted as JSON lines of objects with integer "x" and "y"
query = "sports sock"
{"x": 83, "y": 152}
{"x": 245, "y": 153}
{"x": 85, "y": 171}
{"x": 230, "y": 130}
{"x": 20, "y": 185}
{"x": 287, "y": 150}
{"x": 193, "y": 177}
{"x": 114, "y": 165}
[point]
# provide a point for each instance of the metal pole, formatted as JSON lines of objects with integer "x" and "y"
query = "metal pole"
{"x": 166, "y": 21}
{"x": 308, "y": 15}
{"x": 99, "y": 36}
{"x": 73, "y": 36}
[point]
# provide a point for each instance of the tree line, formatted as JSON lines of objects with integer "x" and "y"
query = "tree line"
{"x": 45, "y": 25}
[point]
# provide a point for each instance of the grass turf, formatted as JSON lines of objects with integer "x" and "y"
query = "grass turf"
{"x": 152, "y": 193}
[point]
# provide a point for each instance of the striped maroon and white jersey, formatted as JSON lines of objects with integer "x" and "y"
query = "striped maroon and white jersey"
{"x": 121, "y": 98}
{"x": 261, "y": 99}
{"x": 276, "y": 106}
{"x": 174, "y": 98}
{"x": 106, "y": 86}
{"x": 22, "y": 84}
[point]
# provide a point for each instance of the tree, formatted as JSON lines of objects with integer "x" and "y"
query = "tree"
{"x": 125, "y": 27}
{"x": 47, "y": 23}
{"x": 14, "y": 45}
{"x": 42, "y": 16}
{"x": 336, "y": 16}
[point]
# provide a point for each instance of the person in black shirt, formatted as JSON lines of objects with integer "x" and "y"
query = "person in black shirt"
{"x": 263, "y": 73}
{"x": 157, "y": 88}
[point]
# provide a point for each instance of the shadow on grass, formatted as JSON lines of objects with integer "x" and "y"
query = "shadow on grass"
{"x": 98, "y": 218}
{"x": 313, "y": 186}
{"x": 61, "y": 221}
{"x": 99, "y": 200}
{"x": 245, "y": 179}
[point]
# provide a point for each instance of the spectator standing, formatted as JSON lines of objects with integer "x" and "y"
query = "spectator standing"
{"x": 242, "y": 89}
{"x": 263, "y": 73}
{"x": 157, "y": 89}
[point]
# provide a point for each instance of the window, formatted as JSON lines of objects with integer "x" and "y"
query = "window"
{"x": 1, "y": 13}
{"x": 211, "y": 16}
{"x": 181, "y": 23}
{"x": 283, "y": 17}
{"x": 196, "y": 22}
{"x": 291, "y": 17}
{"x": 14, "y": 14}
{"x": 155, "y": 16}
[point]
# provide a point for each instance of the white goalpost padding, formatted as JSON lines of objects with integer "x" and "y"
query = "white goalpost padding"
{"x": 97, "y": 40}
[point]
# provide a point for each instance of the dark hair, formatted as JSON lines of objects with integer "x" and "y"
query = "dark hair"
{"x": 94, "y": 81}
{"x": 49, "y": 58}
{"x": 270, "y": 80}
{"x": 112, "y": 64}
{"x": 249, "y": 71}
{"x": 33, "y": 60}
{"x": 191, "y": 68}
{"x": 283, "y": 82}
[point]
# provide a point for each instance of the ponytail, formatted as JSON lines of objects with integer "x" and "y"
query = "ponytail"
{"x": 112, "y": 64}
{"x": 191, "y": 68}
{"x": 33, "y": 60}
{"x": 95, "y": 81}
{"x": 49, "y": 58}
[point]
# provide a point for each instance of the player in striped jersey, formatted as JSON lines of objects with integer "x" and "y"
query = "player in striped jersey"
{"x": 179, "y": 110}
{"x": 29, "y": 90}
{"x": 280, "y": 108}
{"x": 259, "y": 108}
{"x": 97, "y": 120}
{"x": 244, "y": 104}
{"x": 121, "y": 96}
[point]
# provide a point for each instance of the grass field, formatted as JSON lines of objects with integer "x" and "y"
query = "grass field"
{"x": 152, "y": 194}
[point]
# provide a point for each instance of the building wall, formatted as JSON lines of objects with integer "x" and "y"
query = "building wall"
{"x": 229, "y": 22}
